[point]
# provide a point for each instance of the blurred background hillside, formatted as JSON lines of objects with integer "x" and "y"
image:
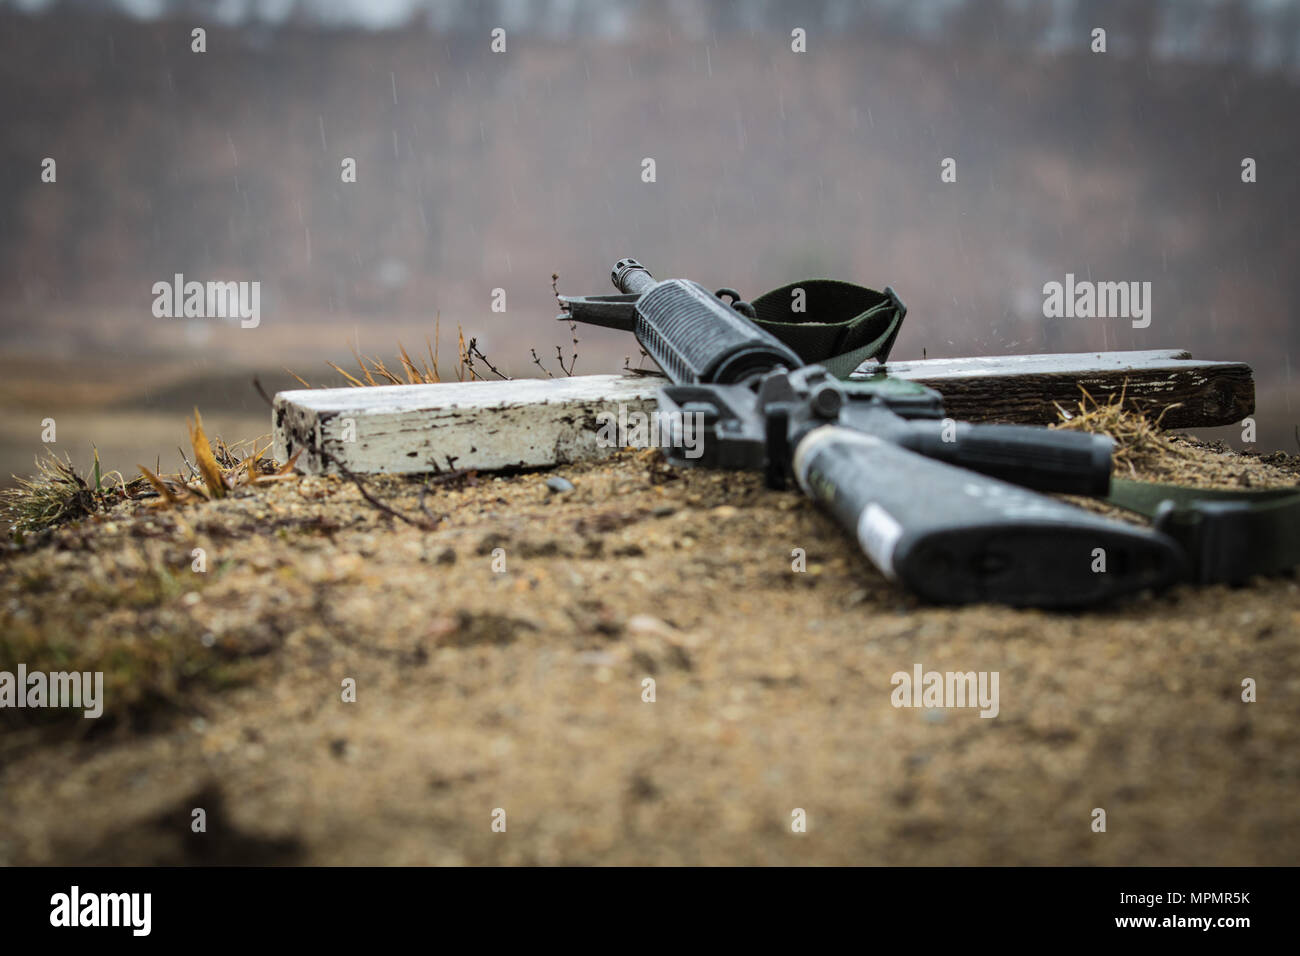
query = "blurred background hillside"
{"x": 479, "y": 170}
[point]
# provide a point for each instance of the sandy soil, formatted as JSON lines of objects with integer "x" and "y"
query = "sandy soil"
{"x": 522, "y": 689}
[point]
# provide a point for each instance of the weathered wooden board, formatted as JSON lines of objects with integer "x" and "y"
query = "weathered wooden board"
{"x": 495, "y": 425}
{"x": 487, "y": 426}
{"x": 1027, "y": 388}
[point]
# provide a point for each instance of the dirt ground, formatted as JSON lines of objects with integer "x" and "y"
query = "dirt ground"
{"x": 521, "y": 690}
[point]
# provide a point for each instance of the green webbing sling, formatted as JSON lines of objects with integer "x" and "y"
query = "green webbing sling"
{"x": 1228, "y": 536}
{"x": 841, "y": 325}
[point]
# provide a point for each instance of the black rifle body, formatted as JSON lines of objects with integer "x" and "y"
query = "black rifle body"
{"x": 942, "y": 507}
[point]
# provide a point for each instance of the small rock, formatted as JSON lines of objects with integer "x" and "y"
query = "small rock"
{"x": 557, "y": 485}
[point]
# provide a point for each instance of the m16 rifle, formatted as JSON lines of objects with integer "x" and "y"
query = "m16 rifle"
{"x": 945, "y": 508}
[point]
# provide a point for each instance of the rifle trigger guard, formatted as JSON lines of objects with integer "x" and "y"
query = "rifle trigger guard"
{"x": 744, "y": 308}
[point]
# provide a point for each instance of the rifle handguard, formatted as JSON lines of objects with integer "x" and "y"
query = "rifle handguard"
{"x": 698, "y": 339}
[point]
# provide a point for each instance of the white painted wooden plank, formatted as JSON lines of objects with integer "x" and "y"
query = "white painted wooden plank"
{"x": 488, "y": 425}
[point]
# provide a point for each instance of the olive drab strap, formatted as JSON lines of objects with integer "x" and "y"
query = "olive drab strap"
{"x": 832, "y": 323}
{"x": 1227, "y": 535}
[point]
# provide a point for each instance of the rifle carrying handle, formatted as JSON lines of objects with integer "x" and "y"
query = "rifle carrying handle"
{"x": 956, "y": 537}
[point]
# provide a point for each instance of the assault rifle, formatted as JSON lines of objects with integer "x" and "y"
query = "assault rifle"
{"x": 945, "y": 508}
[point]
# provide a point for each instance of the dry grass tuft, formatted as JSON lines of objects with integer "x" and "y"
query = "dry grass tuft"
{"x": 219, "y": 469}
{"x": 470, "y": 360}
{"x": 424, "y": 371}
{"x": 1139, "y": 441}
{"x": 209, "y": 470}
{"x": 57, "y": 494}
{"x": 1146, "y": 453}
